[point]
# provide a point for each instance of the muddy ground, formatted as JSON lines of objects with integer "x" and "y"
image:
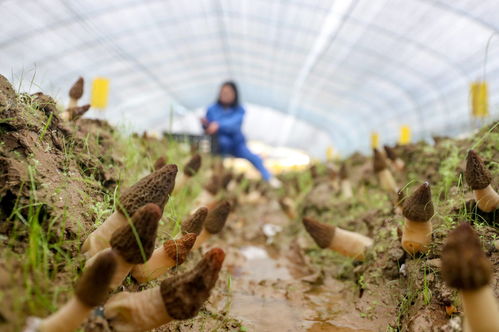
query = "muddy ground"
{"x": 59, "y": 180}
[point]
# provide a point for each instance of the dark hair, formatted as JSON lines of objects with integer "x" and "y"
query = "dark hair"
{"x": 233, "y": 85}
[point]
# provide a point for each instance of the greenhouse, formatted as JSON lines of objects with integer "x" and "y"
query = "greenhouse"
{"x": 236, "y": 165}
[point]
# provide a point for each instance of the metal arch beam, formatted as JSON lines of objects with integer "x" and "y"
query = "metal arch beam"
{"x": 392, "y": 36}
{"x": 99, "y": 12}
{"x": 163, "y": 60}
{"x": 223, "y": 36}
{"x": 374, "y": 97}
{"x": 462, "y": 13}
{"x": 124, "y": 54}
{"x": 431, "y": 52}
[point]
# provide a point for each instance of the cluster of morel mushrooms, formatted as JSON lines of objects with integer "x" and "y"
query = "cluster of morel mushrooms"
{"x": 464, "y": 265}
{"x": 125, "y": 244}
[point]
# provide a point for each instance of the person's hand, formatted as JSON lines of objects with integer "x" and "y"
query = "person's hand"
{"x": 204, "y": 122}
{"x": 212, "y": 128}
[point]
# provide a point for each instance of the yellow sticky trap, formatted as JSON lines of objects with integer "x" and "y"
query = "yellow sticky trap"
{"x": 405, "y": 135}
{"x": 100, "y": 92}
{"x": 374, "y": 140}
{"x": 330, "y": 153}
{"x": 479, "y": 99}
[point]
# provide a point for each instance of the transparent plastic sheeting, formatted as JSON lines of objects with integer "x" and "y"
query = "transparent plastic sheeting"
{"x": 332, "y": 71}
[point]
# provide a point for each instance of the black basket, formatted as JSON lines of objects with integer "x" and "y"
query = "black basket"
{"x": 202, "y": 143}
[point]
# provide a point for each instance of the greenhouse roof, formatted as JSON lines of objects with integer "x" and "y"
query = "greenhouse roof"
{"x": 342, "y": 69}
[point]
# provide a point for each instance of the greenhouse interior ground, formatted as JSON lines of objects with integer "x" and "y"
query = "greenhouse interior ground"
{"x": 237, "y": 165}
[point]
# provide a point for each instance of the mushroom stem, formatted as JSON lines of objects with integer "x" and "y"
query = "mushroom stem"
{"x": 481, "y": 310}
{"x": 179, "y": 297}
{"x": 90, "y": 291}
{"x": 99, "y": 239}
{"x": 133, "y": 244}
{"x": 171, "y": 253}
{"x": 350, "y": 244}
{"x": 416, "y": 236}
{"x": 201, "y": 238}
{"x": 387, "y": 181}
{"x": 288, "y": 206}
{"x": 72, "y": 102}
{"x": 487, "y": 199}
{"x": 122, "y": 268}
{"x": 346, "y": 188}
{"x": 66, "y": 116}
{"x": 133, "y": 312}
{"x": 68, "y": 318}
{"x": 398, "y": 164}
{"x": 418, "y": 211}
{"x": 156, "y": 266}
{"x": 153, "y": 188}
{"x": 214, "y": 222}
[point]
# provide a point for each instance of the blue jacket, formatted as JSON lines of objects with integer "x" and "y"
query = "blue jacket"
{"x": 229, "y": 120}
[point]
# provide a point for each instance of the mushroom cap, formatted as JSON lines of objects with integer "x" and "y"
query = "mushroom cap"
{"x": 125, "y": 240}
{"x": 418, "y": 206}
{"x": 78, "y": 111}
{"x": 343, "y": 172}
{"x": 153, "y": 188}
{"x": 178, "y": 250}
{"x": 216, "y": 218}
{"x": 379, "y": 161}
{"x": 194, "y": 223}
{"x": 322, "y": 233}
{"x": 476, "y": 174}
{"x": 239, "y": 178}
{"x": 214, "y": 185}
{"x": 93, "y": 286}
{"x": 159, "y": 163}
{"x": 464, "y": 264}
{"x": 314, "y": 173}
{"x": 76, "y": 90}
{"x": 226, "y": 179}
{"x": 390, "y": 152}
{"x": 193, "y": 165}
{"x": 183, "y": 295}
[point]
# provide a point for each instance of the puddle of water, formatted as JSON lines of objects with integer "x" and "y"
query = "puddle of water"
{"x": 265, "y": 314}
{"x": 268, "y": 310}
{"x": 327, "y": 327}
{"x": 260, "y": 266}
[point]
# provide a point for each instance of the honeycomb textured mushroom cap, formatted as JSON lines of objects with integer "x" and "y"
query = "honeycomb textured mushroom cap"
{"x": 178, "y": 250}
{"x": 126, "y": 239}
{"x": 183, "y": 295}
{"x": 418, "y": 206}
{"x": 194, "y": 223}
{"x": 93, "y": 287}
{"x": 476, "y": 174}
{"x": 159, "y": 163}
{"x": 379, "y": 161}
{"x": 76, "y": 90}
{"x": 322, "y": 233}
{"x": 153, "y": 188}
{"x": 390, "y": 152}
{"x": 464, "y": 264}
{"x": 193, "y": 165}
{"x": 216, "y": 218}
